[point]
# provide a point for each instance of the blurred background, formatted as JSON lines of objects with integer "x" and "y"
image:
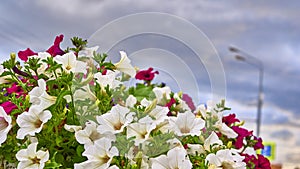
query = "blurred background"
{"x": 253, "y": 38}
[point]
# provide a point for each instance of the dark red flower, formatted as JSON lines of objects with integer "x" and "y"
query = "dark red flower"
{"x": 55, "y": 48}
{"x": 242, "y": 133}
{"x": 169, "y": 105}
{"x": 258, "y": 144}
{"x": 263, "y": 162}
{"x": 189, "y": 101}
{"x": 146, "y": 75}
{"x": 8, "y": 106}
{"x": 15, "y": 89}
{"x": 230, "y": 119}
{"x": 23, "y": 55}
{"x": 250, "y": 160}
{"x": 103, "y": 70}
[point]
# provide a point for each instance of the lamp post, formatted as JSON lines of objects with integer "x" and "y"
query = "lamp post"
{"x": 245, "y": 57}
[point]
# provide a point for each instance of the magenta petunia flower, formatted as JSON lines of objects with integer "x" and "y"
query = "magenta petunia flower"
{"x": 242, "y": 133}
{"x": 23, "y": 55}
{"x": 258, "y": 144}
{"x": 146, "y": 75}
{"x": 259, "y": 162}
{"x": 169, "y": 105}
{"x": 263, "y": 162}
{"x": 230, "y": 119}
{"x": 55, "y": 48}
{"x": 15, "y": 89}
{"x": 8, "y": 106}
{"x": 188, "y": 100}
{"x": 250, "y": 160}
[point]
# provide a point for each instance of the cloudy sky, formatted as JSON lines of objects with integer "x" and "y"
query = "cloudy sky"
{"x": 267, "y": 30}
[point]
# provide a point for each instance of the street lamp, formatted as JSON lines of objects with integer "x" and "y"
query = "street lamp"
{"x": 245, "y": 57}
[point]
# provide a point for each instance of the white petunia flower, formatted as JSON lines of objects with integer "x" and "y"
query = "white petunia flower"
{"x": 208, "y": 111}
{"x": 99, "y": 155}
{"x": 5, "y": 125}
{"x": 72, "y": 128}
{"x": 84, "y": 93}
{"x": 88, "y": 52}
{"x": 176, "y": 158}
{"x": 223, "y": 128}
{"x": 89, "y": 134}
{"x": 210, "y": 142}
{"x": 182, "y": 104}
{"x": 187, "y": 124}
{"x": 3, "y": 78}
{"x": 70, "y": 64}
{"x": 159, "y": 113}
{"x": 108, "y": 79}
{"x": 115, "y": 120}
{"x": 226, "y": 159}
{"x": 39, "y": 96}
{"x": 31, "y": 159}
{"x": 162, "y": 93}
{"x": 130, "y": 101}
{"x": 31, "y": 122}
{"x": 141, "y": 131}
{"x": 124, "y": 65}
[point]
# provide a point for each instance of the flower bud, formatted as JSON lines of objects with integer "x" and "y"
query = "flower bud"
{"x": 13, "y": 57}
{"x": 229, "y": 144}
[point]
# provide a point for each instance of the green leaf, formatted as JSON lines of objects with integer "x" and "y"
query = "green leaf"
{"x": 79, "y": 150}
{"x": 52, "y": 165}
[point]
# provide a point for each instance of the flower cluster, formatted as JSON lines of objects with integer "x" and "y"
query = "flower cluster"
{"x": 72, "y": 109}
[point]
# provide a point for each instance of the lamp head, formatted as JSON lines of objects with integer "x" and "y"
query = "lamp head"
{"x": 233, "y": 49}
{"x": 239, "y": 57}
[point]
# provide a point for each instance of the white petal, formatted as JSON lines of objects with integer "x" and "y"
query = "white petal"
{"x": 177, "y": 158}
{"x": 224, "y": 129}
{"x": 22, "y": 155}
{"x": 31, "y": 150}
{"x": 72, "y": 128}
{"x": 124, "y": 65}
{"x": 212, "y": 139}
{"x": 27, "y": 165}
{"x": 5, "y": 125}
{"x": 160, "y": 93}
{"x": 22, "y": 132}
{"x": 80, "y": 67}
{"x": 213, "y": 159}
{"x": 160, "y": 162}
{"x": 43, "y": 156}
{"x": 130, "y": 101}
{"x": 88, "y": 52}
{"x": 193, "y": 148}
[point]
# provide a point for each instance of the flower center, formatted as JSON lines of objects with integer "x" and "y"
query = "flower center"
{"x": 185, "y": 130}
{"x": 104, "y": 159}
{"x": 3, "y": 124}
{"x": 35, "y": 160}
{"x": 94, "y": 136}
{"x": 68, "y": 67}
{"x": 38, "y": 124}
{"x": 143, "y": 135}
{"x": 118, "y": 126}
{"x": 227, "y": 165}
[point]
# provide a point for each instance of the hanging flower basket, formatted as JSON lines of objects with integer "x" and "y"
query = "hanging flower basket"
{"x": 73, "y": 109}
